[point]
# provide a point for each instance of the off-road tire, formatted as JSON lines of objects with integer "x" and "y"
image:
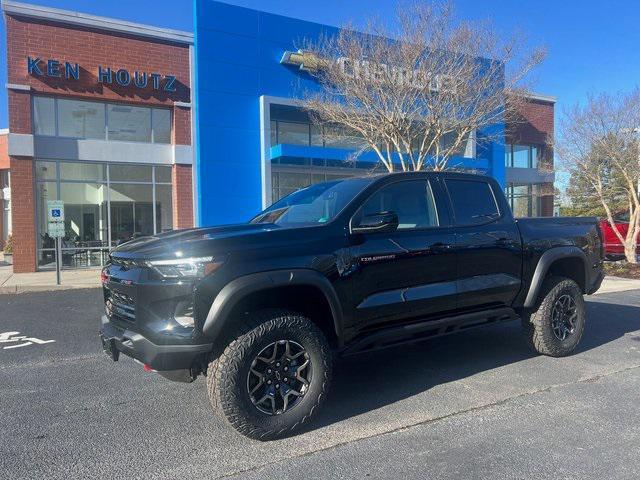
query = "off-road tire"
{"x": 537, "y": 325}
{"x": 227, "y": 374}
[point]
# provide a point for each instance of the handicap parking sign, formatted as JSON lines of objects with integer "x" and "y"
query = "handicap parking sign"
{"x": 55, "y": 210}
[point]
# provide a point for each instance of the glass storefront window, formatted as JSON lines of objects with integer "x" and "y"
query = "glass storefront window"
{"x": 80, "y": 119}
{"x": 534, "y": 157}
{"x": 164, "y": 208}
{"x": 46, "y": 171}
{"x": 520, "y": 200}
{"x": 317, "y": 138}
{"x": 83, "y": 171}
{"x": 284, "y": 182}
{"x": 289, "y": 182}
{"x": 129, "y": 173}
{"x": 131, "y": 212}
{"x": 44, "y": 116}
{"x": 163, "y": 174}
{"x": 93, "y": 194}
{"x": 520, "y": 156}
{"x": 85, "y": 221}
{"x": 45, "y": 191}
{"x": 129, "y": 124}
{"x": 294, "y": 180}
{"x": 161, "y": 125}
{"x": 293, "y": 133}
{"x": 85, "y": 212}
{"x": 538, "y": 193}
{"x": 508, "y": 156}
{"x": 524, "y": 200}
{"x": 291, "y": 125}
{"x": 340, "y": 137}
{"x": 95, "y": 120}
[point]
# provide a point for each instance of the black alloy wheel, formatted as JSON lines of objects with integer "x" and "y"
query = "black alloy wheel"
{"x": 564, "y": 316}
{"x": 279, "y": 377}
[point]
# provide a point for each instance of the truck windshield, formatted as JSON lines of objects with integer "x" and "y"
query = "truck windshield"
{"x": 314, "y": 205}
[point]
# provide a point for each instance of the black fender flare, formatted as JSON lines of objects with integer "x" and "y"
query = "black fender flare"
{"x": 546, "y": 260}
{"x": 238, "y": 289}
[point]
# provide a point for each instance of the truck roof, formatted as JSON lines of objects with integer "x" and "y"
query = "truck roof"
{"x": 428, "y": 173}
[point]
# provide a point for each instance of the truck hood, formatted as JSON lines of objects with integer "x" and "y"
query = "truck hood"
{"x": 190, "y": 242}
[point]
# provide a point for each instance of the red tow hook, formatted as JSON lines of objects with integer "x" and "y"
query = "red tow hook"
{"x": 148, "y": 369}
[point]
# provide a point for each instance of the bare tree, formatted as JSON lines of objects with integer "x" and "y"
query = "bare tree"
{"x": 600, "y": 146}
{"x": 418, "y": 95}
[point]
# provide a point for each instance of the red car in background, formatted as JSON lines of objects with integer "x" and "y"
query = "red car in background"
{"x": 613, "y": 248}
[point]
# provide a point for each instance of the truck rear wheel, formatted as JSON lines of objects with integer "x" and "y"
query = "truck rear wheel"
{"x": 556, "y": 327}
{"x": 273, "y": 377}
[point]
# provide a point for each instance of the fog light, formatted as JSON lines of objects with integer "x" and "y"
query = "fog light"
{"x": 185, "y": 321}
{"x": 183, "y": 314}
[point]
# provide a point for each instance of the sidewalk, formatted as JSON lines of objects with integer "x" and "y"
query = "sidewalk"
{"x": 618, "y": 284}
{"x": 43, "y": 281}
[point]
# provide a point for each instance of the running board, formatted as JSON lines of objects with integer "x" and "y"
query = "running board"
{"x": 417, "y": 332}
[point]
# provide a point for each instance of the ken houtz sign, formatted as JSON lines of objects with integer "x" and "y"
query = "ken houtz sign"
{"x": 122, "y": 77}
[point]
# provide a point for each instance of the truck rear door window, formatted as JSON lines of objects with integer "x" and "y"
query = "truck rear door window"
{"x": 473, "y": 202}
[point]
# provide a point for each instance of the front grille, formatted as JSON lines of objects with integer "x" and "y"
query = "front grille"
{"x": 120, "y": 306}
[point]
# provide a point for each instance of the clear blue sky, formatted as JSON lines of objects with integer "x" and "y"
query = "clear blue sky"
{"x": 593, "y": 45}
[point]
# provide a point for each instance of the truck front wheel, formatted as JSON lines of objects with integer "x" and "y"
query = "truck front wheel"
{"x": 272, "y": 378}
{"x": 556, "y": 327}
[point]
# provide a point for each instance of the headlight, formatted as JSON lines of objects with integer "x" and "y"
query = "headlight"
{"x": 186, "y": 267}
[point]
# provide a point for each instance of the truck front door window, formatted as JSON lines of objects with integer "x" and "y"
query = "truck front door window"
{"x": 412, "y": 201}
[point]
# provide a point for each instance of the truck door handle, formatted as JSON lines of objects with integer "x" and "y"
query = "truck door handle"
{"x": 440, "y": 247}
{"x": 502, "y": 242}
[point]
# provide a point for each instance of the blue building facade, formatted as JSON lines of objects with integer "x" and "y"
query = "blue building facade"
{"x": 253, "y": 145}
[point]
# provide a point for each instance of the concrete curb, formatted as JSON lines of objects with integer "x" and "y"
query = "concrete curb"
{"x": 45, "y": 281}
{"x": 17, "y": 289}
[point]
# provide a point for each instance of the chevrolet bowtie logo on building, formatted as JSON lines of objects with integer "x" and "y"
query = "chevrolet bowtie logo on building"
{"x": 307, "y": 61}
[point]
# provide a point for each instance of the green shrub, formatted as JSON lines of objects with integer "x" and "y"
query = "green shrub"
{"x": 8, "y": 246}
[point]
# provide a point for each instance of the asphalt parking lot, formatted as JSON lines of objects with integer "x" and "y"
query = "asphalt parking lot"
{"x": 473, "y": 405}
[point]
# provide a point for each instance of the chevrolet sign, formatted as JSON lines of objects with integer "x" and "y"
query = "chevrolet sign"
{"x": 369, "y": 71}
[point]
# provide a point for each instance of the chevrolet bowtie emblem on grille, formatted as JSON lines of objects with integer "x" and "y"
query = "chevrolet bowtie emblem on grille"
{"x": 307, "y": 61}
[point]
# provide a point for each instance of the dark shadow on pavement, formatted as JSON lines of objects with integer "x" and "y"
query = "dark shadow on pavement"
{"x": 370, "y": 381}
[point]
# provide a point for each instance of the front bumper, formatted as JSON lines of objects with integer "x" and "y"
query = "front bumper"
{"x": 116, "y": 340}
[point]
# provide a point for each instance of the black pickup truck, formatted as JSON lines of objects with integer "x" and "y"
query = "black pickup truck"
{"x": 262, "y": 309}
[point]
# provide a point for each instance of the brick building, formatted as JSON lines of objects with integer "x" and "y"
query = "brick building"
{"x": 100, "y": 118}
{"x": 529, "y": 159}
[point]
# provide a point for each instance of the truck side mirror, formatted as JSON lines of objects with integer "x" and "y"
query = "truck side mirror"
{"x": 376, "y": 223}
